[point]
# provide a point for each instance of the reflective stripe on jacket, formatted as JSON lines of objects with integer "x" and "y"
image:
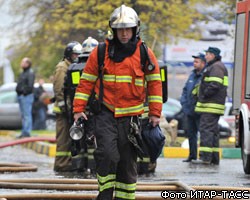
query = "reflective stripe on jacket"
{"x": 213, "y": 89}
{"x": 124, "y": 85}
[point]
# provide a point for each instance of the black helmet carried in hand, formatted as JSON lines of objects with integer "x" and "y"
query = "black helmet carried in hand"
{"x": 72, "y": 47}
{"x": 154, "y": 140}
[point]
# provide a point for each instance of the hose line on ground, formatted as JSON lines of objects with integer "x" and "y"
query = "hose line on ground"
{"x": 89, "y": 186}
{"x": 63, "y": 196}
{"x": 16, "y": 167}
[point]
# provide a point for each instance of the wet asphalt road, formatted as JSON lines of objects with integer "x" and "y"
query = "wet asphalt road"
{"x": 228, "y": 173}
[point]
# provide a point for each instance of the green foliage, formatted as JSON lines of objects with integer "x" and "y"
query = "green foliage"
{"x": 54, "y": 23}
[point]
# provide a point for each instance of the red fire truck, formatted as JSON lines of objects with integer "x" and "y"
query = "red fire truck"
{"x": 241, "y": 81}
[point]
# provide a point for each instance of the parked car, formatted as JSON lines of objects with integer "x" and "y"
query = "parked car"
{"x": 10, "y": 116}
{"x": 172, "y": 109}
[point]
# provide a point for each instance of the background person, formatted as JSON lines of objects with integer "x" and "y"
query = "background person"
{"x": 82, "y": 154}
{"x": 39, "y": 108}
{"x": 25, "y": 96}
{"x": 123, "y": 101}
{"x": 63, "y": 140}
{"x": 210, "y": 105}
{"x": 188, "y": 101}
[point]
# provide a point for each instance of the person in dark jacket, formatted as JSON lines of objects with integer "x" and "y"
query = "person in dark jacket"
{"x": 39, "y": 108}
{"x": 25, "y": 94}
{"x": 188, "y": 101}
{"x": 211, "y": 104}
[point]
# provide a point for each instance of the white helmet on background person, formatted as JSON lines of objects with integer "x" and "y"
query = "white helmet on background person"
{"x": 88, "y": 45}
{"x": 124, "y": 17}
{"x": 72, "y": 47}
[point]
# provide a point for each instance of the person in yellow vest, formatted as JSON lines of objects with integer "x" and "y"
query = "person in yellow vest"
{"x": 63, "y": 141}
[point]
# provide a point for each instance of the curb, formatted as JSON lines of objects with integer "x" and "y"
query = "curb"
{"x": 45, "y": 148}
{"x": 167, "y": 152}
{"x": 178, "y": 152}
{"x": 42, "y": 148}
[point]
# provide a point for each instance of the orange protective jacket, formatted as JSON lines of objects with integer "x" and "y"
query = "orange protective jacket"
{"x": 125, "y": 85}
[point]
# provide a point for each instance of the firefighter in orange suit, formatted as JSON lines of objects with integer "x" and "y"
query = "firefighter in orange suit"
{"x": 63, "y": 154}
{"x": 123, "y": 101}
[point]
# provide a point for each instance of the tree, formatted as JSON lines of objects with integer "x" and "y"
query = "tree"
{"x": 51, "y": 24}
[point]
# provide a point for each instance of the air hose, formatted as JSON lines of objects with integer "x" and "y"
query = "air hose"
{"x": 17, "y": 167}
{"x": 26, "y": 140}
{"x": 89, "y": 187}
{"x": 85, "y": 184}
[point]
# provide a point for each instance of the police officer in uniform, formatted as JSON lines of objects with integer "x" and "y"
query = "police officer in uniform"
{"x": 188, "y": 102}
{"x": 63, "y": 154}
{"x": 211, "y": 104}
{"x": 123, "y": 101}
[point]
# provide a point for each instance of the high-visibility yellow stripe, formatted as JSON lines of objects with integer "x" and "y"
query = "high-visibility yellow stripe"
{"x": 124, "y": 195}
{"x": 89, "y": 77}
{"x": 157, "y": 99}
{"x": 211, "y": 105}
{"x": 216, "y": 149}
{"x": 103, "y": 179}
{"x": 163, "y": 75}
{"x": 63, "y": 153}
{"x": 127, "y": 110}
{"x": 106, "y": 186}
{"x": 209, "y": 110}
{"x": 206, "y": 149}
{"x": 106, "y": 182}
{"x": 146, "y": 109}
{"x": 153, "y": 77}
{"x": 125, "y": 186}
{"x": 89, "y": 150}
{"x": 143, "y": 160}
{"x": 124, "y": 79}
{"x": 213, "y": 79}
{"x": 56, "y": 109}
{"x": 225, "y": 81}
{"x": 138, "y": 82}
{"x": 91, "y": 157}
{"x": 75, "y": 76}
{"x": 81, "y": 96}
{"x": 195, "y": 91}
{"x": 109, "y": 77}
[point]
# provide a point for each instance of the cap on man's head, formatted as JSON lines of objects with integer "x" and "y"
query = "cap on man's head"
{"x": 200, "y": 56}
{"x": 214, "y": 50}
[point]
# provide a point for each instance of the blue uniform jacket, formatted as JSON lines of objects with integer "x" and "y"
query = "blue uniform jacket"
{"x": 188, "y": 100}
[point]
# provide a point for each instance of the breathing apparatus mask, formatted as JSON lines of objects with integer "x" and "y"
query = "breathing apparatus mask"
{"x": 76, "y": 133}
{"x": 80, "y": 136}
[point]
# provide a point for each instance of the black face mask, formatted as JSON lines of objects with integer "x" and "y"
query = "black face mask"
{"x": 118, "y": 51}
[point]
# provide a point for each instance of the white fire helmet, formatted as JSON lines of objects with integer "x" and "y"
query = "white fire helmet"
{"x": 124, "y": 17}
